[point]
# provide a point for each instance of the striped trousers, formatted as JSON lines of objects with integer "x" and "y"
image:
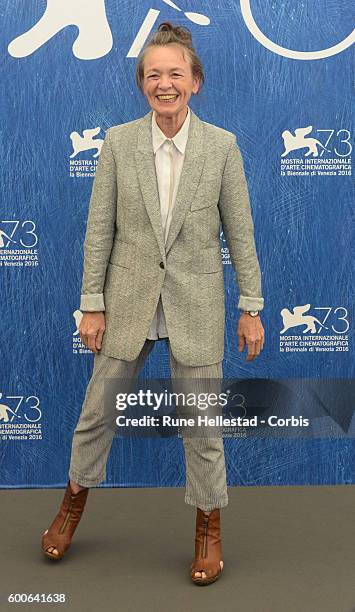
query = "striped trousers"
{"x": 206, "y": 485}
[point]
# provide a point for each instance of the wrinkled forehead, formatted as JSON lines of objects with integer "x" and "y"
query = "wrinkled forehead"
{"x": 166, "y": 57}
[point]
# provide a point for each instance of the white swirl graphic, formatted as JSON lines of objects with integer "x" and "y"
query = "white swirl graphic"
{"x": 292, "y": 54}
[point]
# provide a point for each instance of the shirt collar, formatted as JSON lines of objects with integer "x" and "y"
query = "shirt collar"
{"x": 180, "y": 139}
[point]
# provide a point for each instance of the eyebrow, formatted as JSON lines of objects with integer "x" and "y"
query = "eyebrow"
{"x": 171, "y": 69}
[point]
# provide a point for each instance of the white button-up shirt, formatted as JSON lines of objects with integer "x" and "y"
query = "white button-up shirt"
{"x": 161, "y": 146}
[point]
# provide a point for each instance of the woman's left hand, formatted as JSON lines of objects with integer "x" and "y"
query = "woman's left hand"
{"x": 251, "y": 333}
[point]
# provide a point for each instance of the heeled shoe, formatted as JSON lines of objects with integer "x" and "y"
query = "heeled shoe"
{"x": 60, "y": 533}
{"x": 208, "y": 547}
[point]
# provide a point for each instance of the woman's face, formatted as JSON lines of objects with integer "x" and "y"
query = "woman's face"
{"x": 166, "y": 71}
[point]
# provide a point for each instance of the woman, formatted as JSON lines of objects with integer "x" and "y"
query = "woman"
{"x": 153, "y": 270}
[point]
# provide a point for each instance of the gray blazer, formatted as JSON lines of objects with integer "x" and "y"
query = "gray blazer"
{"x": 126, "y": 264}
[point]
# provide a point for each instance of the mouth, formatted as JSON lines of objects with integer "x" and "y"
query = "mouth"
{"x": 167, "y": 98}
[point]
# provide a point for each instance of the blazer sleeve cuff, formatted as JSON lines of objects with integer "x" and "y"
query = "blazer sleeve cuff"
{"x": 250, "y": 303}
{"x": 92, "y": 303}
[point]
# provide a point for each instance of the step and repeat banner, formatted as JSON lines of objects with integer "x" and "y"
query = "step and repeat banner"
{"x": 280, "y": 76}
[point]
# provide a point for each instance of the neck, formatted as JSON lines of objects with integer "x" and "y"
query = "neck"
{"x": 171, "y": 125}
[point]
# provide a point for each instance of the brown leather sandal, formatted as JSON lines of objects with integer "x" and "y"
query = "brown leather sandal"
{"x": 61, "y": 531}
{"x": 208, "y": 547}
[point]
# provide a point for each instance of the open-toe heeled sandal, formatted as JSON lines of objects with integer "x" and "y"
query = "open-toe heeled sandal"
{"x": 208, "y": 548}
{"x": 60, "y": 533}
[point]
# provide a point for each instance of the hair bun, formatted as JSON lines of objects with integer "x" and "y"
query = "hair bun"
{"x": 166, "y": 26}
{"x": 180, "y": 32}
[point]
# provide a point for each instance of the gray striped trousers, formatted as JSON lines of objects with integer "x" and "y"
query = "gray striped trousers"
{"x": 206, "y": 485}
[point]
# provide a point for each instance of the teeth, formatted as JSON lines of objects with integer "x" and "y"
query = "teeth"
{"x": 167, "y": 97}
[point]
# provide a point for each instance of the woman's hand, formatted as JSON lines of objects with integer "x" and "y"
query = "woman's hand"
{"x": 250, "y": 332}
{"x": 91, "y": 330}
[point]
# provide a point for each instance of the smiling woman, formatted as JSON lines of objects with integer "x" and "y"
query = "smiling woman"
{"x": 153, "y": 271}
{"x": 168, "y": 72}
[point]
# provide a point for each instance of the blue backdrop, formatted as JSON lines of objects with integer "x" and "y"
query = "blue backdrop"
{"x": 279, "y": 75}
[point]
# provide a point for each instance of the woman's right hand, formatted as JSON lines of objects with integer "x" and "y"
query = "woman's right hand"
{"x": 91, "y": 330}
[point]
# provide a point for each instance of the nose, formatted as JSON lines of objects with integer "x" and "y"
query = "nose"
{"x": 164, "y": 82}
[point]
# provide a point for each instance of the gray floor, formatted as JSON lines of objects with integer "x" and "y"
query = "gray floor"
{"x": 286, "y": 549}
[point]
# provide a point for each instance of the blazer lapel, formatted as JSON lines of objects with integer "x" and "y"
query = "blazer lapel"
{"x": 195, "y": 154}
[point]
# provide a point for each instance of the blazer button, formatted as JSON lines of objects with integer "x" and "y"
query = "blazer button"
{"x": 162, "y": 265}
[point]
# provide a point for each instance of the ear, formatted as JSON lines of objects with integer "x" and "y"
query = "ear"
{"x": 196, "y": 85}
